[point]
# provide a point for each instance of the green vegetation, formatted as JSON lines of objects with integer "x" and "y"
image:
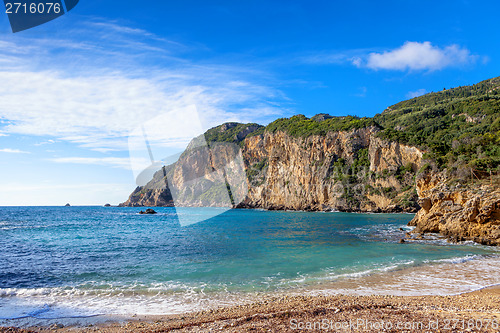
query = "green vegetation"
{"x": 232, "y": 132}
{"x": 214, "y": 193}
{"x": 361, "y": 162}
{"x": 301, "y": 126}
{"x": 402, "y": 171}
{"x": 256, "y": 169}
{"x": 458, "y": 128}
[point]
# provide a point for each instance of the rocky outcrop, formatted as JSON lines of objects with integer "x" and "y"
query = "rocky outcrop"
{"x": 344, "y": 170}
{"x": 152, "y": 197}
{"x": 459, "y": 212}
{"x": 148, "y": 211}
{"x": 332, "y": 172}
{"x": 389, "y": 155}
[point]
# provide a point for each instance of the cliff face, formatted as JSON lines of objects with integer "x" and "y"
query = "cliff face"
{"x": 344, "y": 170}
{"x": 459, "y": 212}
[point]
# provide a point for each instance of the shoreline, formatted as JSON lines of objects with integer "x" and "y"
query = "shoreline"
{"x": 273, "y": 309}
{"x": 430, "y": 279}
{"x": 284, "y": 314}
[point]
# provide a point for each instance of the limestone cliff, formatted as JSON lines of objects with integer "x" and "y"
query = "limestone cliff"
{"x": 343, "y": 170}
{"x": 346, "y": 171}
{"x": 461, "y": 212}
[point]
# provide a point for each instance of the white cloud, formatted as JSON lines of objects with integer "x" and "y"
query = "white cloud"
{"x": 357, "y": 61}
{"x": 48, "y": 142}
{"x": 420, "y": 56}
{"x": 114, "y": 162}
{"x": 411, "y": 56}
{"x": 99, "y": 111}
{"x": 13, "y": 151}
{"x": 108, "y": 92}
{"x": 416, "y": 93}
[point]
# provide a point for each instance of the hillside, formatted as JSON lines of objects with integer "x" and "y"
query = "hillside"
{"x": 457, "y": 127}
{"x": 379, "y": 164}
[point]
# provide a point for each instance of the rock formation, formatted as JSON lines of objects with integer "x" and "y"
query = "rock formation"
{"x": 148, "y": 211}
{"x": 345, "y": 170}
{"x": 470, "y": 212}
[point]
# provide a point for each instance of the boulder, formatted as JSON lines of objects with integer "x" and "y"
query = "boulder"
{"x": 148, "y": 211}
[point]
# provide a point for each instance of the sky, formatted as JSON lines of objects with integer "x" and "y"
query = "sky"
{"x": 78, "y": 94}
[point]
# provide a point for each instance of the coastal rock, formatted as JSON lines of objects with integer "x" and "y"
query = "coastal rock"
{"x": 152, "y": 197}
{"x": 325, "y": 173}
{"x": 461, "y": 213}
{"x": 148, "y": 211}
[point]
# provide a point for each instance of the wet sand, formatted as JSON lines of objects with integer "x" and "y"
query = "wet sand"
{"x": 478, "y": 311}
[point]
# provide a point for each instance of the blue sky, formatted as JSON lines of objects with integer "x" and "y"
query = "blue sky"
{"x": 72, "y": 90}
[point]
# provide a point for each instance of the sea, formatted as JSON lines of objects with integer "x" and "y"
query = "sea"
{"x": 83, "y": 262}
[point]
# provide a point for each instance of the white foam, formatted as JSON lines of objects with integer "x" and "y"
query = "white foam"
{"x": 437, "y": 277}
{"x": 441, "y": 277}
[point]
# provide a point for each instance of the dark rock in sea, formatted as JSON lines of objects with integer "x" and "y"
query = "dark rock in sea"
{"x": 107, "y": 205}
{"x": 148, "y": 211}
{"x": 402, "y": 241}
{"x": 67, "y": 205}
{"x": 401, "y": 229}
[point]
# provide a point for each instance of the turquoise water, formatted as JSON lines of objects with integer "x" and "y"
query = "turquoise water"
{"x": 64, "y": 261}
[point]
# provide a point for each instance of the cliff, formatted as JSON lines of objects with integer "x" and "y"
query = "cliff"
{"x": 470, "y": 212}
{"x": 379, "y": 164}
{"x": 345, "y": 170}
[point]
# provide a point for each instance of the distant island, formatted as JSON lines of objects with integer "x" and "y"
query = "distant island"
{"x": 436, "y": 155}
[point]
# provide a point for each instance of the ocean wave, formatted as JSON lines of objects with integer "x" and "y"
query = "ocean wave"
{"x": 438, "y": 277}
{"x": 441, "y": 277}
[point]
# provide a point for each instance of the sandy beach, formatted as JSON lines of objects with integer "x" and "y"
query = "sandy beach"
{"x": 478, "y": 311}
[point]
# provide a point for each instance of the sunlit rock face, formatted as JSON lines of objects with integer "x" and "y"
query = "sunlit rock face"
{"x": 470, "y": 212}
{"x": 344, "y": 170}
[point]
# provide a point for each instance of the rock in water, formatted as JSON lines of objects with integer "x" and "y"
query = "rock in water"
{"x": 107, "y": 205}
{"x": 148, "y": 211}
{"x": 67, "y": 205}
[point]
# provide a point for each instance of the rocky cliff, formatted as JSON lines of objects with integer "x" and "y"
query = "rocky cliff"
{"x": 460, "y": 212}
{"x": 343, "y": 170}
{"x": 378, "y": 164}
